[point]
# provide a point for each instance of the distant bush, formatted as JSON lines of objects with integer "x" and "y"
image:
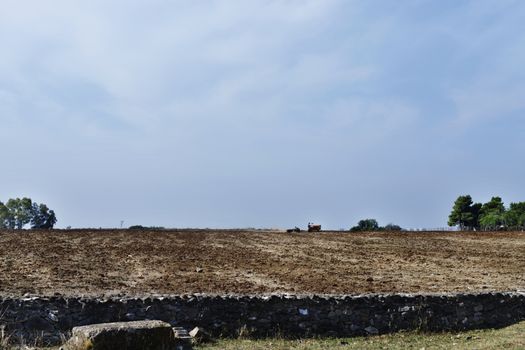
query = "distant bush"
{"x": 367, "y": 225}
{"x": 140, "y": 227}
{"x": 392, "y": 227}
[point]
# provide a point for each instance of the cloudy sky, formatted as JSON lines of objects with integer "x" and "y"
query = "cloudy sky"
{"x": 261, "y": 113}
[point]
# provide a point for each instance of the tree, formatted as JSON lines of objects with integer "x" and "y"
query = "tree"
{"x": 492, "y": 214}
{"x": 17, "y": 213}
{"x": 491, "y": 221}
{"x": 4, "y": 216}
{"x": 495, "y": 205}
{"x": 465, "y": 213}
{"x": 20, "y": 212}
{"x": 515, "y": 216}
{"x": 42, "y": 217}
{"x": 366, "y": 225}
{"x": 475, "y": 209}
{"x": 392, "y": 227}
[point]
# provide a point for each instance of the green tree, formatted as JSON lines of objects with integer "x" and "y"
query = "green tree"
{"x": 492, "y": 214}
{"x": 392, "y": 227}
{"x": 495, "y": 205}
{"x": 42, "y": 217}
{"x": 366, "y": 225}
{"x": 515, "y": 216}
{"x": 465, "y": 213}
{"x": 4, "y": 216}
{"x": 20, "y": 212}
{"x": 491, "y": 221}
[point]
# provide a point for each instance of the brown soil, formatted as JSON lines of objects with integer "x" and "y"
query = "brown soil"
{"x": 112, "y": 262}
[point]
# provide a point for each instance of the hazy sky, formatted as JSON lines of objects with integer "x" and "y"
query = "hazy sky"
{"x": 261, "y": 113}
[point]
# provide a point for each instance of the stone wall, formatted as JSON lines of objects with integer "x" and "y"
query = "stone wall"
{"x": 259, "y": 316}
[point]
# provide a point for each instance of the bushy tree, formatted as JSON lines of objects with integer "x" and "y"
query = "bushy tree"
{"x": 489, "y": 216}
{"x": 492, "y": 214}
{"x": 4, "y": 216}
{"x": 366, "y": 225}
{"x": 491, "y": 221}
{"x": 18, "y": 212}
{"x": 495, "y": 205}
{"x": 42, "y": 217}
{"x": 515, "y": 216}
{"x": 392, "y": 227}
{"x": 465, "y": 213}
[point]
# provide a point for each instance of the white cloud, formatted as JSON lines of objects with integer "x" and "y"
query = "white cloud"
{"x": 146, "y": 60}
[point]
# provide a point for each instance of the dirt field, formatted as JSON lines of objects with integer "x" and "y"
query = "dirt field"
{"x": 111, "y": 262}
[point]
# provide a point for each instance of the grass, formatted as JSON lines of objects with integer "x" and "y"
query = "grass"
{"x": 508, "y": 338}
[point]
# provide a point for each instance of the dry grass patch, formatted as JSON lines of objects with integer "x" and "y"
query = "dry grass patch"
{"x": 508, "y": 338}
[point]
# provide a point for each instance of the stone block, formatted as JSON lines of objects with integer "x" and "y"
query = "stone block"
{"x": 136, "y": 335}
{"x": 183, "y": 340}
{"x": 199, "y": 335}
{"x": 372, "y": 330}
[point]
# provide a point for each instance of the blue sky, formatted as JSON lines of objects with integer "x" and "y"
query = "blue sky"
{"x": 261, "y": 113}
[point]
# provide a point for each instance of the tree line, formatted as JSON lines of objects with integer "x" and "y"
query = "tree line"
{"x": 492, "y": 215}
{"x": 19, "y": 212}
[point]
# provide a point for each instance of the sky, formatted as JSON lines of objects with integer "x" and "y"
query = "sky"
{"x": 261, "y": 113}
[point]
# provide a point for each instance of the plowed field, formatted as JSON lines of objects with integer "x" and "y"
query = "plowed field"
{"x": 113, "y": 262}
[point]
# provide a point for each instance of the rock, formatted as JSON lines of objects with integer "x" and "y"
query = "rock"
{"x": 404, "y": 309}
{"x": 136, "y": 335}
{"x": 354, "y": 327}
{"x": 39, "y": 324}
{"x": 182, "y": 339}
{"x": 52, "y": 316}
{"x": 199, "y": 335}
{"x": 181, "y": 333}
{"x": 371, "y": 330}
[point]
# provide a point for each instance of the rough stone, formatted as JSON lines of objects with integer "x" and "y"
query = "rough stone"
{"x": 199, "y": 335}
{"x": 371, "y": 330}
{"x": 183, "y": 340}
{"x": 136, "y": 335}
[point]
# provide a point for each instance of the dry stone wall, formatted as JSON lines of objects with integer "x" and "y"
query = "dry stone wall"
{"x": 260, "y": 316}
